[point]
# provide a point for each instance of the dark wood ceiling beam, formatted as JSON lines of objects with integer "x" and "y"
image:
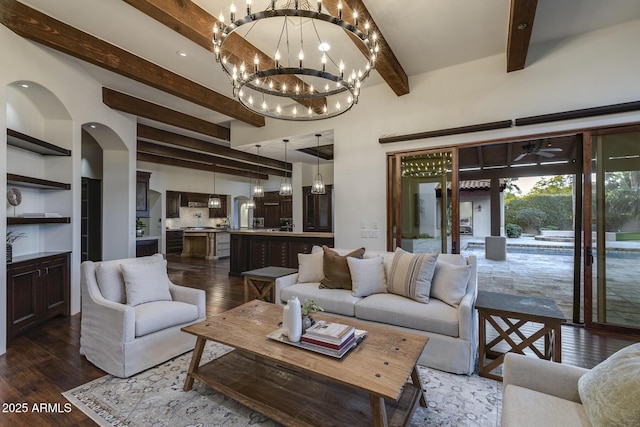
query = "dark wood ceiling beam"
{"x": 159, "y": 135}
{"x": 196, "y": 24}
{"x": 139, "y": 107}
{"x": 166, "y": 151}
{"x": 43, "y": 29}
{"x": 521, "y": 19}
{"x": 387, "y": 65}
{"x": 151, "y": 158}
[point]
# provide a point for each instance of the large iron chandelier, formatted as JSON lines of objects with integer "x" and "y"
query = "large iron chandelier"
{"x": 281, "y": 63}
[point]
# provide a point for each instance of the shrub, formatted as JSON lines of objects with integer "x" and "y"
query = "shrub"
{"x": 513, "y": 230}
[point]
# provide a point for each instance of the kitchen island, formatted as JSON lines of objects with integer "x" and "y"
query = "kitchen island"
{"x": 205, "y": 242}
{"x": 258, "y": 248}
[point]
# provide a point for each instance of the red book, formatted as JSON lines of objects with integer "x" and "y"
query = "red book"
{"x": 333, "y": 346}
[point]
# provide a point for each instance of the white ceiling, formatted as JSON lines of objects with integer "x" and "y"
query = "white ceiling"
{"x": 424, "y": 35}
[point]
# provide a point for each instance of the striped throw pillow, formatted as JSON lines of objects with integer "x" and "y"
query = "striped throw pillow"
{"x": 410, "y": 275}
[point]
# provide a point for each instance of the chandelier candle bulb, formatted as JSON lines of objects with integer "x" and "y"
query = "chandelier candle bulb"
{"x": 256, "y": 62}
{"x": 277, "y": 59}
{"x": 319, "y": 6}
{"x": 340, "y": 10}
{"x": 355, "y": 19}
{"x": 221, "y": 20}
{"x": 248, "y": 7}
{"x": 301, "y": 57}
{"x": 232, "y": 12}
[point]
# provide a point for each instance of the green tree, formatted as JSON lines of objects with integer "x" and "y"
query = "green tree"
{"x": 622, "y": 199}
{"x": 559, "y": 184}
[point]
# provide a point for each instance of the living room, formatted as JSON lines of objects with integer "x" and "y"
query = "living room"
{"x": 455, "y": 85}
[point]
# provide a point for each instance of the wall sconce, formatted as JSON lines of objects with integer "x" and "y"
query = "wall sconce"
{"x": 479, "y": 208}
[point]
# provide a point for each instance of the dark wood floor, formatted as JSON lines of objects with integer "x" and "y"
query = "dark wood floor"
{"x": 42, "y": 364}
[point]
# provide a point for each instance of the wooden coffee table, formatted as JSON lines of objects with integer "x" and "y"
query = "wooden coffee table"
{"x": 368, "y": 386}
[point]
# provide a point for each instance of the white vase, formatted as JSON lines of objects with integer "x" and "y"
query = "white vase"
{"x": 292, "y": 319}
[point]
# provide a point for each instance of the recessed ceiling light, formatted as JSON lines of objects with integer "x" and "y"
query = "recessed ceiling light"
{"x": 324, "y": 47}
{"x": 24, "y": 85}
{"x": 92, "y": 126}
{"x": 181, "y": 53}
{"x": 522, "y": 26}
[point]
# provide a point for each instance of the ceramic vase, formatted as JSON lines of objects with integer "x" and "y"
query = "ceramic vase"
{"x": 292, "y": 319}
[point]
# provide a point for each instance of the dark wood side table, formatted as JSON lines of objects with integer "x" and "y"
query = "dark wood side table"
{"x": 507, "y": 314}
{"x": 261, "y": 282}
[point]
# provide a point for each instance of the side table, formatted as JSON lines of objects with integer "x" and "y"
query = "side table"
{"x": 261, "y": 282}
{"x": 507, "y": 314}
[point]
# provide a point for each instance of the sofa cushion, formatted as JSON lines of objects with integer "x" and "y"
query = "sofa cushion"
{"x": 449, "y": 282}
{"x": 610, "y": 392}
{"x": 367, "y": 276}
{"x": 336, "y": 269}
{"x": 158, "y": 315}
{"x": 523, "y": 407}
{"x": 436, "y": 317}
{"x": 411, "y": 275}
{"x": 310, "y": 268}
{"x": 339, "y": 301}
{"x": 146, "y": 282}
{"x": 110, "y": 279}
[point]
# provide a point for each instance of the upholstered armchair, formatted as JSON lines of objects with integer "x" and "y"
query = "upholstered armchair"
{"x": 132, "y": 314}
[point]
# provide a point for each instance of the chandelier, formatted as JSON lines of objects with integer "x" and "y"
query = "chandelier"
{"x": 318, "y": 183}
{"x": 286, "y": 188}
{"x": 295, "y": 61}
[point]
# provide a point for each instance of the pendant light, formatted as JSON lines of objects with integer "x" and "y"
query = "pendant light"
{"x": 318, "y": 182}
{"x": 214, "y": 200}
{"x": 258, "y": 191}
{"x": 286, "y": 189}
{"x": 251, "y": 204}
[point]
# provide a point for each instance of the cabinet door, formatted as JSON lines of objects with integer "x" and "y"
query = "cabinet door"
{"x": 22, "y": 301}
{"x": 278, "y": 253}
{"x": 146, "y": 247}
{"x": 220, "y": 212}
{"x": 239, "y": 259}
{"x": 296, "y": 248}
{"x": 174, "y": 241}
{"x": 55, "y": 287}
{"x": 258, "y": 253}
{"x": 142, "y": 194}
{"x": 173, "y": 204}
{"x": 317, "y": 211}
{"x": 286, "y": 207}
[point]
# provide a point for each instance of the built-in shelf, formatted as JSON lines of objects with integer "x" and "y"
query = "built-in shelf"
{"x": 43, "y": 184}
{"x": 26, "y": 142}
{"x": 18, "y": 220}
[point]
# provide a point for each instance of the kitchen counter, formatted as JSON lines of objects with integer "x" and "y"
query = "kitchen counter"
{"x": 258, "y": 248}
{"x": 147, "y": 238}
{"x": 207, "y": 243}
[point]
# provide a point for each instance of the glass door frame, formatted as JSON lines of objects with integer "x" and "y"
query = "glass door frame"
{"x": 394, "y": 182}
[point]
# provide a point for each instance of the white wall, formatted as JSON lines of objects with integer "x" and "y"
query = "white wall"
{"x": 590, "y": 70}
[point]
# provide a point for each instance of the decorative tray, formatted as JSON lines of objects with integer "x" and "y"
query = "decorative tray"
{"x": 278, "y": 335}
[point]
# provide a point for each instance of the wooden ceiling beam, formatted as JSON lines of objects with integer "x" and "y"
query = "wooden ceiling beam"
{"x": 196, "y": 24}
{"x": 166, "y": 151}
{"x": 34, "y": 25}
{"x": 387, "y": 65}
{"x": 139, "y": 107}
{"x": 159, "y": 135}
{"x": 152, "y": 158}
{"x": 521, "y": 19}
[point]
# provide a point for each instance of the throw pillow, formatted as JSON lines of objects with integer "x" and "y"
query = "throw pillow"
{"x": 449, "y": 282}
{"x": 110, "y": 280}
{"x": 411, "y": 274}
{"x": 610, "y": 392}
{"x": 336, "y": 269}
{"x": 146, "y": 282}
{"x": 367, "y": 276}
{"x": 310, "y": 268}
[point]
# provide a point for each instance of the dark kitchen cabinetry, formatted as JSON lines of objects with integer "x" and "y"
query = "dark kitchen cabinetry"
{"x": 174, "y": 241}
{"x": 272, "y": 207}
{"x": 142, "y": 194}
{"x": 173, "y": 204}
{"x": 146, "y": 247}
{"x": 37, "y": 290}
{"x": 220, "y": 212}
{"x": 91, "y": 220}
{"x": 317, "y": 211}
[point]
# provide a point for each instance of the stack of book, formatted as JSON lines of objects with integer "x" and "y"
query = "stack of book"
{"x": 333, "y": 338}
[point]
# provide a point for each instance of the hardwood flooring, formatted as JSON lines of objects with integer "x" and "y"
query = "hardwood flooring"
{"x": 45, "y": 362}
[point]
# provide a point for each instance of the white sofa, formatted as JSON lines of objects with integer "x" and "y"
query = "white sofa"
{"x": 122, "y": 339}
{"x": 452, "y": 330}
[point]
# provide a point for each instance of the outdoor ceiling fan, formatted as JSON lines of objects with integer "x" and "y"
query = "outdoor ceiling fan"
{"x": 532, "y": 148}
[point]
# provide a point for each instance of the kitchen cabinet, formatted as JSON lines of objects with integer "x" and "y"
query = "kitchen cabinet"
{"x": 223, "y": 245}
{"x": 142, "y": 194}
{"x": 38, "y": 289}
{"x": 173, "y": 204}
{"x": 317, "y": 210}
{"x": 174, "y": 241}
{"x": 91, "y": 220}
{"x": 146, "y": 246}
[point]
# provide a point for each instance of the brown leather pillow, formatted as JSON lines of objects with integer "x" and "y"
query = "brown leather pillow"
{"x": 336, "y": 269}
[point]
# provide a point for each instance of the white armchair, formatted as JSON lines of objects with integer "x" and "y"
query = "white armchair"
{"x": 124, "y": 340}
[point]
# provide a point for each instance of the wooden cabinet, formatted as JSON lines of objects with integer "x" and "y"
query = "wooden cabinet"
{"x": 174, "y": 241}
{"x": 286, "y": 207}
{"x": 272, "y": 207}
{"x": 220, "y": 212}
{"x": 173, "y": 204}
{"x": 223, "y": 245}
{"x": 317, "y": 211}
{"x": 91, "y": 220}
{"x": 142, "y": 194}
{"x": 146, "y": 247}
{"x": 37, "y": 290}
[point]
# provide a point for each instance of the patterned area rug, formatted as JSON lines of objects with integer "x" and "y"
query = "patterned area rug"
{"x": 155, "y": 398}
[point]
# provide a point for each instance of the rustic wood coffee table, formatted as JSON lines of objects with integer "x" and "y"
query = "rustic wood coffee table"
{"x": 368, "y": 386}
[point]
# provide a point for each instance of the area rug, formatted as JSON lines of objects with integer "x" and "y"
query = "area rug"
{"x": 155, "y": 398}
